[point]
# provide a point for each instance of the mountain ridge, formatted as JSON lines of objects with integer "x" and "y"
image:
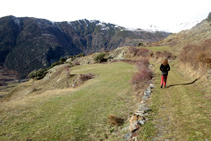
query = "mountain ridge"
{"x": 196, "y": 35}
{"x": 30, "y": 43}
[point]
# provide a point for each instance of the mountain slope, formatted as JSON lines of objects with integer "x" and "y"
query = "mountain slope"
{"x": 199, "y": 33}
{"x": 30, "y": 43}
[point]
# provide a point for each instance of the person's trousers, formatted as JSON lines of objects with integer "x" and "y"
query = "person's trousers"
{"x": 163, "y": 80}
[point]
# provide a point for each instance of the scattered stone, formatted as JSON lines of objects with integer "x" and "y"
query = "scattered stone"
{"x": 135, "y": 139}
{"x": 151, "y": 86}
{"x": 146, "y": 93}
{"x": 140, "y": 114}
{"x": 145, "y": 97}
{"x": 148, "y": 90}
{"x": 145, "y": 109}
{"x": 146, "y": 114}
{"x": 139, "y": 118}
{"x": 141, "y": 122}
{"x": 128, "y": 136}
{"x": 142, "y": 101}
{"x": 134, "y": 124}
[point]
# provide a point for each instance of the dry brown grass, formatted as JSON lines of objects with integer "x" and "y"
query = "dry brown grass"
{"x": 164, "y": 55}
{"x": 197, "y": 56}
{"x": 114, "y": 120}
{"x": 196, "y": 35}
{"x": 22, "y": 101}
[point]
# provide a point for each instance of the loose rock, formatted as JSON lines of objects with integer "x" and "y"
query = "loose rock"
{"x": 128, "y": 136}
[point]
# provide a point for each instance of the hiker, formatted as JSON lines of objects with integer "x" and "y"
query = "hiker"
{"x": 164, "y": 67}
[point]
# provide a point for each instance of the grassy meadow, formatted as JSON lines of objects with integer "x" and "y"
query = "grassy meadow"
{"x": 72, "y": 114}
{"x": 181, "y": 111}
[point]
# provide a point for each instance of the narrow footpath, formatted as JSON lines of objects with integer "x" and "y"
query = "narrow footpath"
{"x": 180, "y": 111}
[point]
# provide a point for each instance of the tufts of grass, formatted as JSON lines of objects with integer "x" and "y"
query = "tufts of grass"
{"x": 114, "y": 120}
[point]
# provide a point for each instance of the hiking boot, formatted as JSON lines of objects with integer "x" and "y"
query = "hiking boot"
{"x": 161, "y": 86}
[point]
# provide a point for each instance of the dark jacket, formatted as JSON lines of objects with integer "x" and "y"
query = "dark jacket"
{"x": 164, "y": 69}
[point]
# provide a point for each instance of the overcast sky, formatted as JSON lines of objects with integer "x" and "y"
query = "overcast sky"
{"x": 126, "y": 13}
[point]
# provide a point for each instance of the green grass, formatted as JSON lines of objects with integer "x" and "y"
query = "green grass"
{"x": 180, "y": 112}
{"x": 158, "y": 48}
{"x": 76, "y": 115}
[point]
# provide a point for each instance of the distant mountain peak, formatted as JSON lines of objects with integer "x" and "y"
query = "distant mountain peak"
{"x": 174, "y": 29}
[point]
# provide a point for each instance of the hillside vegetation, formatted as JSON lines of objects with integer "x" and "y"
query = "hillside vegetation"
{"x": 28, "y": 43}
{"x": 77, "y": 100}
{"x": 59, "y": 107}
{"x": 39, "y": 111}
{"x": 196, "y": 35}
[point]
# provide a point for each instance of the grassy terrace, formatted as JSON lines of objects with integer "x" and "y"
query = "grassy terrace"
{"x": 181, "y": 111}
{"x": 79, "y": 114}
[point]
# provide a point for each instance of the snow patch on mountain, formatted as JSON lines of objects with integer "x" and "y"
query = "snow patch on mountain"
{"x": 103, "y": 25}
{"x": 16, "y": 20}
{"x": 72, "y": 25}
{"x": 85, "y": 21}
{"x": 174, "y": 29}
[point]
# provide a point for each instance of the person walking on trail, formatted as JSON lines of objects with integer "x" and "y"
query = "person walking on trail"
{"x": 164, "y": 67}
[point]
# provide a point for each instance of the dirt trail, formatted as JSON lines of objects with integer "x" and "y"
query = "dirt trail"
{"x": 181, "y": 111}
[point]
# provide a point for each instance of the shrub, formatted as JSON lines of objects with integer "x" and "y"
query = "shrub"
{"x": 62, "y": 60}
{"x": 133, "y": 51}
{"x": 38, "y": 74}
{"x": 139, "y": 52}
{"x": 142, "y": 63}
{"x": 142, "y": 52}
{"x": 114, "y": 120}
{"x": 197, "y": 56}
{"x": 85, "y": 77}
{"x": 80, "y": 55}
{"x": 164, "y": 54}
{"x": 77, "y": 56}
{"x": 140, "y": 44}
{"x": 100, "y": 58}
{"x": 142, "y": 76}
{"x": 209, "y": 17}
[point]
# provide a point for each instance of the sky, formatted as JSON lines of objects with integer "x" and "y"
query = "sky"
{"x": 126, "y": 13}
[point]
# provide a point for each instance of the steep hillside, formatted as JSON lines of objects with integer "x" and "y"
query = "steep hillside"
{"x": 30, "y": 43}
{"x": 196, "y": 35}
